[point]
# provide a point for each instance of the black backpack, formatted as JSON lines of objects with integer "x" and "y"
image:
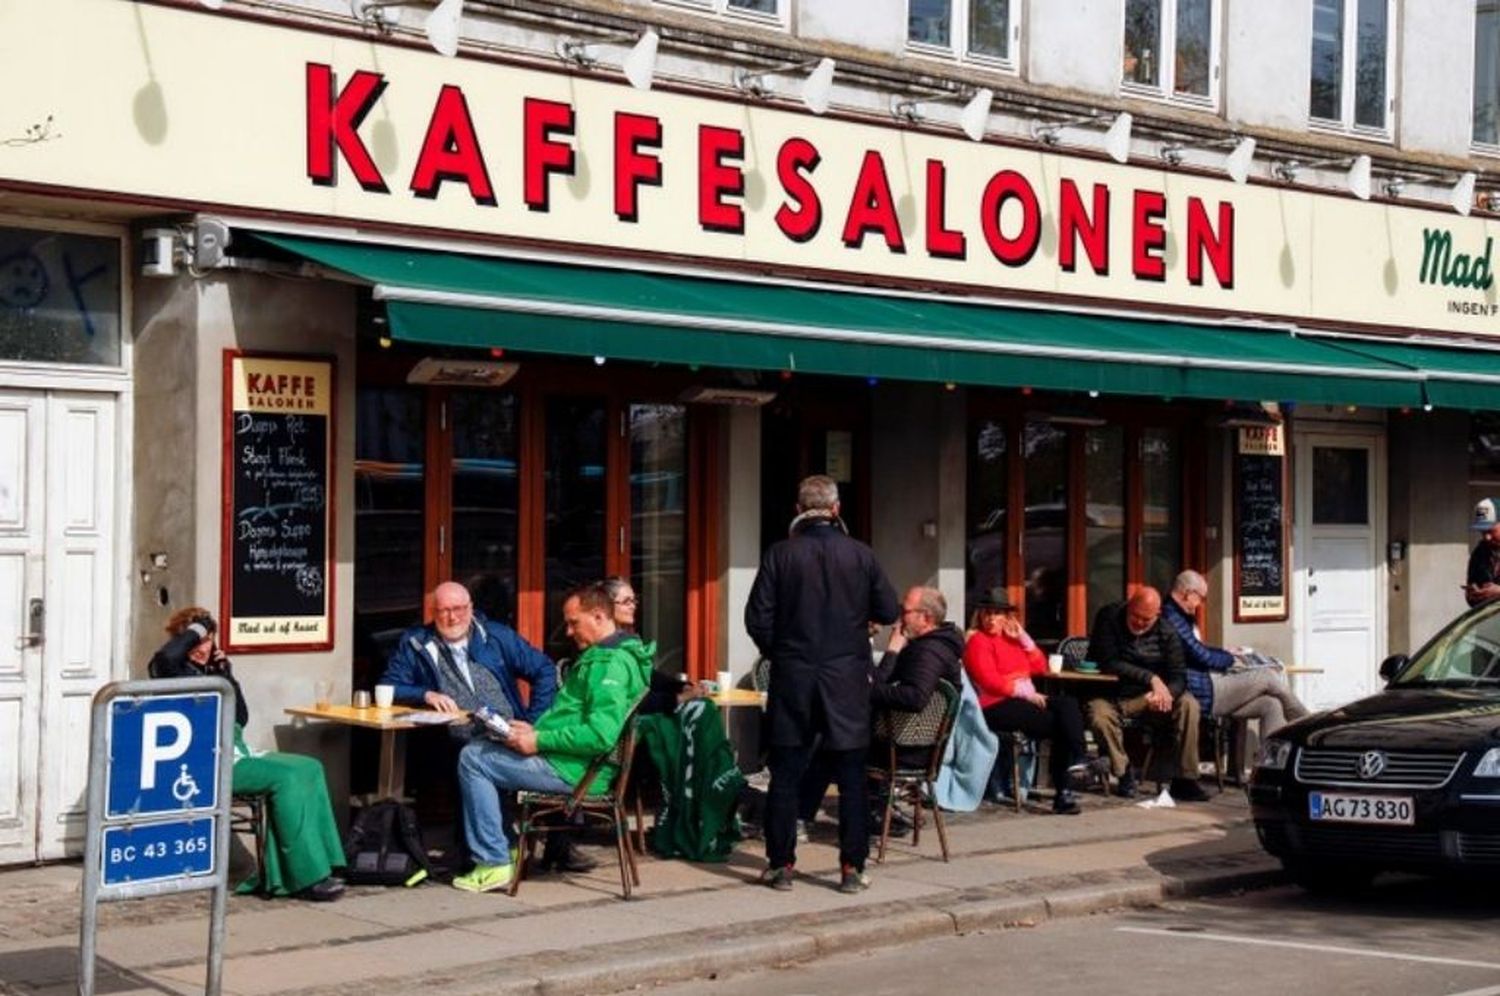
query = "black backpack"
{"x": 384, "y": 847}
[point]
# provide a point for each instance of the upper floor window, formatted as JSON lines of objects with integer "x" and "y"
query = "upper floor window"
{"x": 765, "y": 11}
{"x": 1172, "y": 49}
{"x": 1351, "y": 64}
{"x": 1487, "y": 72}
{"x": 982, "y": 30}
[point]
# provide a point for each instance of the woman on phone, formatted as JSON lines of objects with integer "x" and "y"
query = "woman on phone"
{"x": 302, "y": 839}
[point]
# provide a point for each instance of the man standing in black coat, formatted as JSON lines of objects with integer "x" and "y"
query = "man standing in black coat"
{"x": 810, "y": 610}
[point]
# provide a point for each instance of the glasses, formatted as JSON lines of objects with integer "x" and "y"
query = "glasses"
{"x": 452, "y": 610}
{"x": 627, "y": 600}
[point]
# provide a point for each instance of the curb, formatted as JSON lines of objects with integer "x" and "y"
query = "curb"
{"x": 614, "y": 968}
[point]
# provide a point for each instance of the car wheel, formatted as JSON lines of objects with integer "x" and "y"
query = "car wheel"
{"x": 1330, "y": 878}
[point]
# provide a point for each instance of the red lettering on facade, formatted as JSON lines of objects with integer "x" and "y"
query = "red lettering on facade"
{"x": 1075, "y": 225}
{"x": 634, "y": 132}
{"x": 941, "y": 240}
{"x": 716, "y": 179}
{"x": 1005, "y": 186}
{"x": 543, "y": 122}
{"x": 872, "y": 208}
{"x": 451, "y": 151}
{"x": 1148, "y": 236}
{"x": 1203, "y": 241}
{"x": 333, "y": 124}
{"x": 795, "y": 161}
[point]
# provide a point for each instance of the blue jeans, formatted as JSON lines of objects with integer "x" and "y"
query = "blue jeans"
{"x": 485, "y": 770}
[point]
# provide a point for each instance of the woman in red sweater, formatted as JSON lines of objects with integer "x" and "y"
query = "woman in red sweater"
{"x": 1001, "y": 659}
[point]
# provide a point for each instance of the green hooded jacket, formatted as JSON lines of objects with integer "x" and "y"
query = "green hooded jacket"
{"x": 601, "y": 689}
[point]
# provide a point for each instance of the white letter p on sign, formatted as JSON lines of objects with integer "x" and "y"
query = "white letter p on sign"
{"x": 153, "y": 751}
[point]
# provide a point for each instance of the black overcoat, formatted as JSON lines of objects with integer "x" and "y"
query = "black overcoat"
{"x": 809, "y": 612}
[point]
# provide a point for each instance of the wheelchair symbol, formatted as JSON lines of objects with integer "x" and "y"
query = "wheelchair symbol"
{"x": 184, "y": 788}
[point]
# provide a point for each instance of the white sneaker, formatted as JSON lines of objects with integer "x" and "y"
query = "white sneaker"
{"x": 802, "y": 831}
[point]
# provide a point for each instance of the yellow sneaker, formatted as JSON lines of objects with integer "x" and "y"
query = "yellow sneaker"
{"x": 484, "y": 878}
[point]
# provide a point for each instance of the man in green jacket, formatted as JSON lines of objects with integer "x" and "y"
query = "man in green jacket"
{"x": 586, "y": 718}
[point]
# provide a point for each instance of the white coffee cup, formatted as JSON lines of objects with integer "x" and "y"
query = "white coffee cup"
{"x": 726, "y": 680}
{"x": 1055, "y": 663}
{"x": 384, "y": 696}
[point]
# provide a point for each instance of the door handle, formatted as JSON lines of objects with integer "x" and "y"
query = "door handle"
{"x": 36, "y": 617}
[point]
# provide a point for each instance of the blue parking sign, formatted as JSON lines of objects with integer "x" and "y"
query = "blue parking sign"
{"x": 163, "y": 755}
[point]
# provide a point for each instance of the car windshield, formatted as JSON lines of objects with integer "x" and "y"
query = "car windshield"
{"x": 1466, "y": 653}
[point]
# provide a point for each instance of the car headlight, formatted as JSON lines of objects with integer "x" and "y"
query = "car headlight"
{"x": 1274, "y": 754}
{"x": 1489, "y": 764}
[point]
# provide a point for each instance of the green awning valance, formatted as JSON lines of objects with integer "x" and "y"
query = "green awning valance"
{"x": 479, "y": 301}
{"x": 1453, "y": 378}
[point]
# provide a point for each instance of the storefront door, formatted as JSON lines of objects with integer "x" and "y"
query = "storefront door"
{"x": 1339, "y": 574}
{"x": 57, "y": 609}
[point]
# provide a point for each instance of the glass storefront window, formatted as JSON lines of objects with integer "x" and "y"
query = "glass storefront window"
{"x": 658, "y": 528}
{"x": 574, "y": 504}
{"x": 389, "y": 506}
{"x": 1044, "y": 542}
{"x": 59, "y": 297}
{"x": 486, "y": 498}
{"x": 989, "y": 498}
{"x": 1161, "y": 518}
{"x": 1104, "y": 515}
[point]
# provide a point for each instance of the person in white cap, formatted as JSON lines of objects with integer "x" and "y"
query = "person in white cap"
{"x": 1483, "y": 581}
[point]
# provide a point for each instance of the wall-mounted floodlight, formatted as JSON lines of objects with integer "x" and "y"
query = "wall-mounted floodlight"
{"x": 974, "y": 119}
{"x": 1357, "y": 178}
{"x": 1116, "y": 143}
{"x": 1236, "y": 163}
{"x": 638, "y": 66}
{"x": 815, "y": 91}
{"x": 441, "y": 26}
{"x": 1461, "y": 197}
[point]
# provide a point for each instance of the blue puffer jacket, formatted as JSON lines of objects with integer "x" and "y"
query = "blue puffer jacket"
{"x": 1199, "y": 656}
{"x": 493, "y": 645}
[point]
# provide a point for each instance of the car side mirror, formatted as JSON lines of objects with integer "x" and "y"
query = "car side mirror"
{"x": 1392, "y": 665}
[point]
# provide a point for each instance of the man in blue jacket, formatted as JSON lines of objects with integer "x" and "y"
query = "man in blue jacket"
{"x": 1258, "y": 693}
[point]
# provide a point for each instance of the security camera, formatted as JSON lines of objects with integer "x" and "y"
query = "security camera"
{"x": 158, "y": 252}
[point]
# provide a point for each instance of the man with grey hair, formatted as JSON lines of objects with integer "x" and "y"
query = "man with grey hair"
{"x": 1255, "y": 693}
{"x": 809, "y": 613}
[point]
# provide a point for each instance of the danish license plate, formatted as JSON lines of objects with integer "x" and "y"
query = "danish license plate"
{"x": 1332, "y": 807}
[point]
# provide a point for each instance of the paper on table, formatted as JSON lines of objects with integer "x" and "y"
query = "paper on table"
{"x": 422, "y": 718}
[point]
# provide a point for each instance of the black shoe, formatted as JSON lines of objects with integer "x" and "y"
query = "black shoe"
{"x": 1188, "y": 790}
{"x": 852, "y": 880}
{"x": 1125, "y": 788}
{"x": 560, "y": 854}
{"x": 1065, "y": 804}
{"x": 326, "y": 891}
{"x": 900, "y": 825}
{"x": 779, "y": 879}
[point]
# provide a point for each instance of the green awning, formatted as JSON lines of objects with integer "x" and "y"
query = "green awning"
{"x": 1454, "y": 378}
{"x": 481, "y": 301}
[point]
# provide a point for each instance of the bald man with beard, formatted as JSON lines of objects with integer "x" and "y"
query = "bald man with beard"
{"x": 1131, "y": 641}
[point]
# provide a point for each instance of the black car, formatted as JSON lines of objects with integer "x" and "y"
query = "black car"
{"x": 1406, "y": 780}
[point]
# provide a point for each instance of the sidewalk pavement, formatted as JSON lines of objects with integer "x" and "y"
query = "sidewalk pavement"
{"x": 573, "y": 934}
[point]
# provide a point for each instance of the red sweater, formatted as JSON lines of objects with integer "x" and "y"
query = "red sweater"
{"x": 996, "y": 663}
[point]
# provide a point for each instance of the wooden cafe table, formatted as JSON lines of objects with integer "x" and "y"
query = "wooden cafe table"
{"x": 391, "y": 782}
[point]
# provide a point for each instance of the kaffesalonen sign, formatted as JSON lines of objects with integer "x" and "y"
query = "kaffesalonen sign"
{"x": 348, "y": 132}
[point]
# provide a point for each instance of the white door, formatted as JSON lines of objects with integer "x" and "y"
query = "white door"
{"x": 1340, "y": 576}
{"x": 57, "y": 609}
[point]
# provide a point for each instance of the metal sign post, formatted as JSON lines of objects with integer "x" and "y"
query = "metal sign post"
{"x": 160, "y": 757}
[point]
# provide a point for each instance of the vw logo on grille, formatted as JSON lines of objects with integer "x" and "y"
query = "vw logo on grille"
{"x": 1370, "y": 764}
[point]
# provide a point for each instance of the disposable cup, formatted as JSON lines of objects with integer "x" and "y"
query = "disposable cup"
{"x": 384, "y": 696}
{"x": 322, "y": 693}
{"x": 1055, "y": 663}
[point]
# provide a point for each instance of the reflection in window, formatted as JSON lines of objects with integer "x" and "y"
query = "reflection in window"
{"x": 573, "y": 480}
{"x": 59, "y": 297}
{"x": 1161, "y": 526}
{"x": 1193, "y": 47}
{"x": 758, "y": 6}
{"x": 658, "y": 528}
{"x": 389, "y": 500}
{"x": 1044, "y": 544}
{"x": 930, "y": 22}
{"x": 989, "y": 28}
{"x": 1104, "y": 513}
{"x": 989, "y": 496}
{"x": 1341, "y": 486}
{"x": 1350, "y": 64}
{"x": 486, "y": 493}
{"x": 1487, "y": 72}
{"x": 1169, "y": 46}
{"x": 1143, "y": 42}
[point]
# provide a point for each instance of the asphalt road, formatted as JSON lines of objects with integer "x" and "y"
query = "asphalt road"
{"x": 1404, "y": 938}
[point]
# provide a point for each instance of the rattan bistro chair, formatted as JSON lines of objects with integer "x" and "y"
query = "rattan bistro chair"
{"x": 1074, "y": 650}
{"x": 247, "y": 814}
{"x": 928, "y": 730}
{"x": 545, "y": 812}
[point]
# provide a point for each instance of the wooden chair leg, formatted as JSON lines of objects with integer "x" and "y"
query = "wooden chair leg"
{"x": 1221, "y": 737}
{"x": 1015, "y": 772}
{"x": 916, "y": 813}
{"x": 885, "y": 825}
{"x": 640, "y": 824}
{"x": 635, "y": 875}
{"x": 524, "y": 844}
{"x": 622, "y": 848}
{"x": 937, "y": 817}
{"x": 259, "y": 816}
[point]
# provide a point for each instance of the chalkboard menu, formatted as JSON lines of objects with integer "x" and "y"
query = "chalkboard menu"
{"x": 278, "y": 508}
{"x": 1260, "y": 525}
